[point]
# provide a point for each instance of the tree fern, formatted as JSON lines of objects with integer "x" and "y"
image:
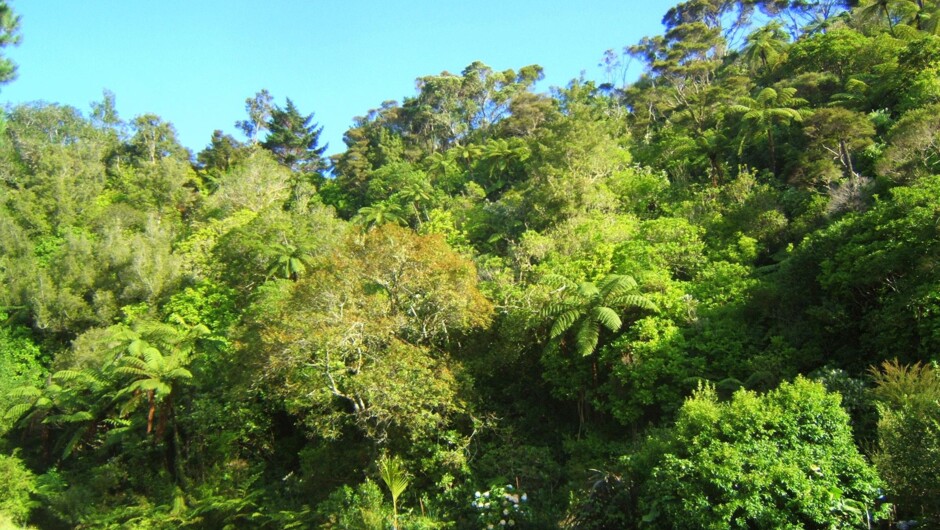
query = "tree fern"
{"x": 586, "y": 307}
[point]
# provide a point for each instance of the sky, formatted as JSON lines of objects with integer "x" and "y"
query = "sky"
{"x": 194, "y": 62}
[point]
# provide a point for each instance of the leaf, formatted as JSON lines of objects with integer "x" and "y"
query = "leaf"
{"x": 617, "y": 284}
{"x": 152, "y": 384}
{"x": 634, "y": 300}
{"x": 608, "y": 318}
{"x": 564, "y": 322}
{"x": 394, "y": 476}
{"x": 16, "y": 411}
{"x": 588, "y": 336}
{"x": 588, "y": 290}
{"x": 24, "y": 392}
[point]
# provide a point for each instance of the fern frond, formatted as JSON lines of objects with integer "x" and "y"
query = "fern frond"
{"x": 588, "y": 336}
{"x": 152, "y": 356}
{"x": 608, "y": 318}
{"x": 75, "y": 417}
{"x": 557, "y": 280}
{"x": 564, "y": 322}
{"x": 617, "y": 284}
{"x": 179, "y": 373}
{"x": 73, "y": 441}
{"x": 588, "y": 290}
{"x": 634, "y": 300}
{"x": 156, "y": 385}
{"x": 24, "y": 392}
{"x": 554, "y": 308}
{"x": 16, "y": 411}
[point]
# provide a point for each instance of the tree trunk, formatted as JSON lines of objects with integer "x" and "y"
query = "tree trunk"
{"x": 151, "y": 412}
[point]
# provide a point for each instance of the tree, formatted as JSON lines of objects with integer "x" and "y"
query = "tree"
{"x": 585, "y": 307}
{"x": 155, "y": 139}
{"x": 360, "y": 339}
{"x": 294, "y": 139}
{"x": 764, "y": 112}
{"x": 764, "y": 46}
{"x": 221, "y": 154}
{"x": 909, "y": 437}
{"x": 785, "y": 459}
{"x": 913, "y": 150}
{"x": 891, "y": 11}
{"x": 153, "y": 373}
{"x": 259, "y": 113}
{"x": 9, "y": 36}
{"x": 839, "y": 134}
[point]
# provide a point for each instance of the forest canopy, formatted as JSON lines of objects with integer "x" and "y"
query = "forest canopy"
{"x": 707, "y": 298}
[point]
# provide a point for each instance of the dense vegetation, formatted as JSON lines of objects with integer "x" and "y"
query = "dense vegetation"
{"x": 706, "y": 299}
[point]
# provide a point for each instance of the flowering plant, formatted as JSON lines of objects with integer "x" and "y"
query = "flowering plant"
{"x": 500, "y": 507}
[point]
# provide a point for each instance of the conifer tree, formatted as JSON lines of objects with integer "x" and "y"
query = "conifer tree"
{"x": 294, "y": 139}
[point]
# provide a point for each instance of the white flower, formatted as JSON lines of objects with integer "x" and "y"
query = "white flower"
{"x": 502, "y": 522}
{"x": 524, "y": 497}
{"x": 512, "y": 522}
{"x": 505, "y": 512}
{"x": 487, "y": 495}
{"x": 477, "y": 494}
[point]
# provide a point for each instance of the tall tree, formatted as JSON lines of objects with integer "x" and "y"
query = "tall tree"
{"x": 764, "y": 46}
{"x": 769, "y": 108}
{"x": 294, "y": 139}
{"x": 155, "y": 139}
{"x": 259, "y": 112}
{"x": 9, "y": 35}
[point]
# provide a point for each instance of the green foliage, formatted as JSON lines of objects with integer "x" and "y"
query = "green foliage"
{"x": 21, "y": 365}
{"x": 501, "y": 507}
{"x": 359, "y": 509}
{"x": 17, "y": 484}
{"x": 912, "y": 146}
{"x": 590, "y": 306}
{"x": 294, "y": 139}
{"x": 9, "y": 35}
{"x": 908, "y": 399}
{"x": 782, "y": 460}
{"x": 396, "y": 480}
{"x": 529, "y": 287}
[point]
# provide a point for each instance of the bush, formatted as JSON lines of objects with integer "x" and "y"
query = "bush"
{"x": 16, "y": 485}
{"x": 785, "y": 459}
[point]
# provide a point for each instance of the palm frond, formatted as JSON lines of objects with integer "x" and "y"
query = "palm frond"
{"x": 394, "y": 476}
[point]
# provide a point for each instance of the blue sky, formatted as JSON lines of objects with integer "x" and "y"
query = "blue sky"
{"x": 194, "y": 62}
